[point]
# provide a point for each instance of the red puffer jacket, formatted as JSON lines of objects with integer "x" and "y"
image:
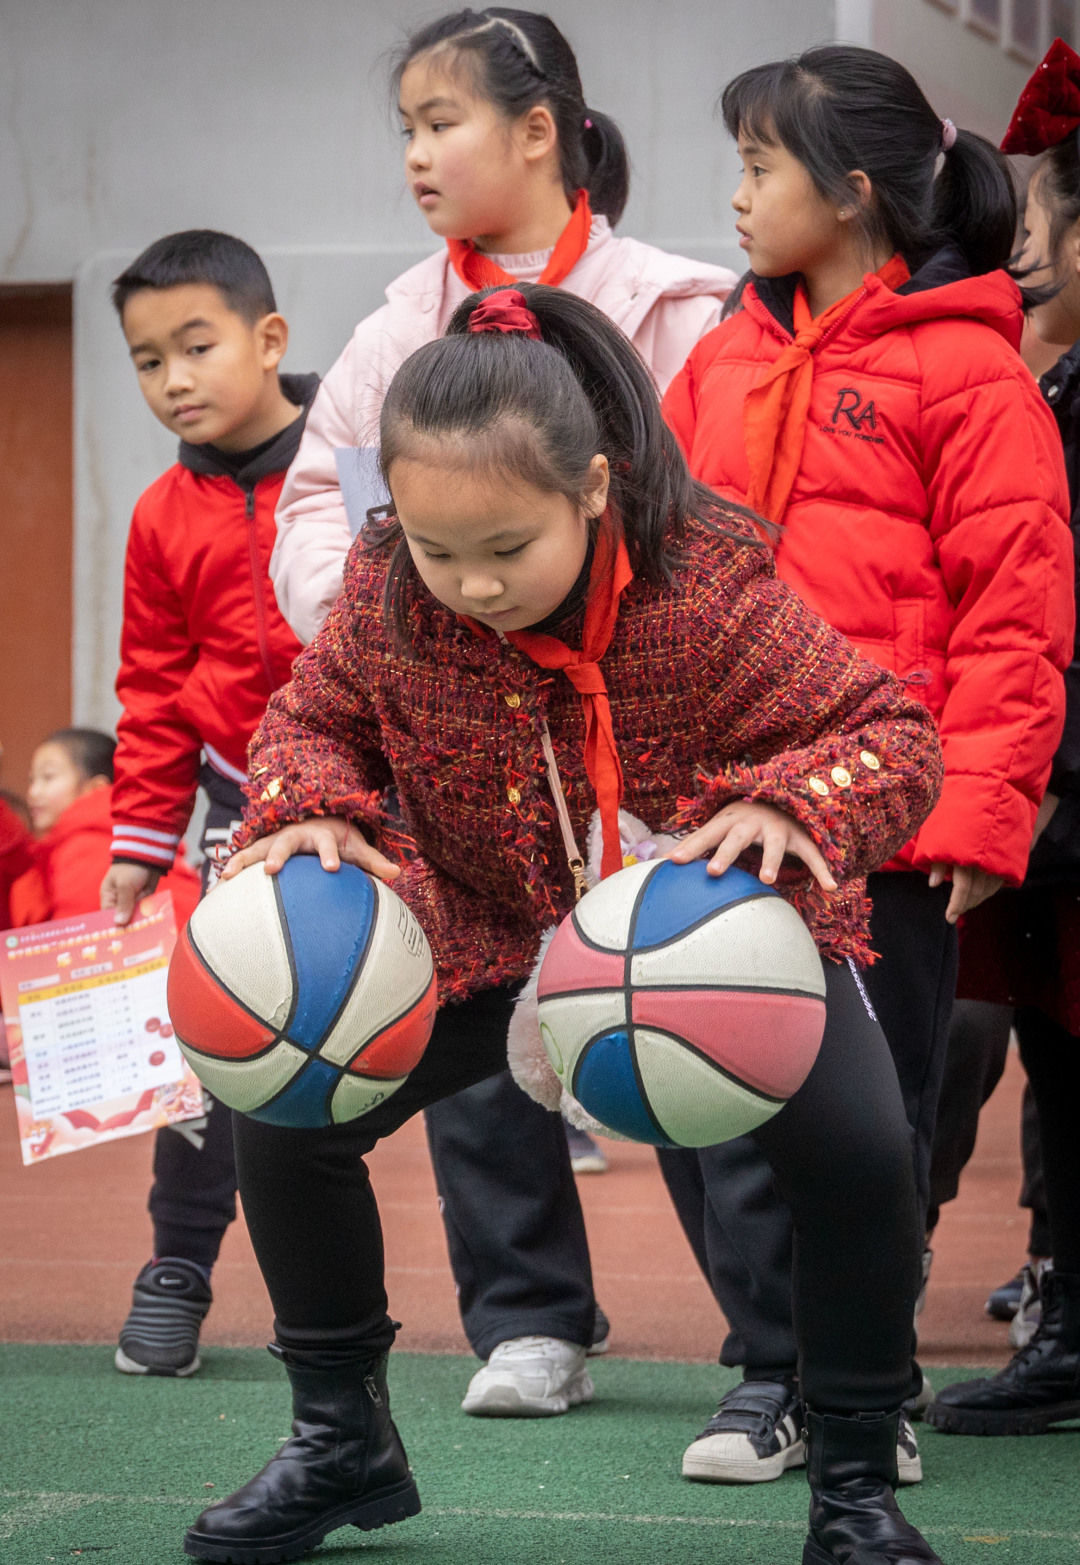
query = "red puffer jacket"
{"x": 204, "y": 644}
{"x": 927, "y": 521}
{"x": 71, "y": 860}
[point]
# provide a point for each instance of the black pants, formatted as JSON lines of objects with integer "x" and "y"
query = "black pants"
{"x": 978, "y": 1047}
{"x": 193, "y": 1196}
{"x": 1051, "y": 1058}
{"x": 514, "y": 1225}
{"x": 727, "y": 1198}
{"x": 839, "y": 1151}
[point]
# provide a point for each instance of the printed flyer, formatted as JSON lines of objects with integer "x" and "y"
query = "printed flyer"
{"x": 93, "y": 1056}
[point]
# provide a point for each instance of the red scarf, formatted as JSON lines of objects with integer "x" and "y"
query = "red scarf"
{"x": 478, "y": 270}
{"x": 609, "y": 575}
{"x": 775, "y": 411}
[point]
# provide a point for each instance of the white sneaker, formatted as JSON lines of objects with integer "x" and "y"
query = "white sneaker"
{"x": 530, "y": 1377}
{"x": 1025, "y": 1323}
{"x": 908, "y": 1460}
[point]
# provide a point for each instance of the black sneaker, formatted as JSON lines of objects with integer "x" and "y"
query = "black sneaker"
{"x": 161, "y": 1334}
{"x": 1004, "y": 1302}
{"x": 754, "y": 1435}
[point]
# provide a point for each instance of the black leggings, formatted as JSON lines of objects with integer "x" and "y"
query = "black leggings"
{"x": 1051, "y": 1058}
{"x": 840, "y": 1152}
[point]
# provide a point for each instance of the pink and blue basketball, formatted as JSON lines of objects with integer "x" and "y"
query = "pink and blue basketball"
{"x": 682, "y": 1008}
{"x": 304, "y": 998}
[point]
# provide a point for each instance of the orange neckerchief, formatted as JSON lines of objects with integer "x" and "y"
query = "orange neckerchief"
{"x": 478, "y": 270}
{"x": 775, "y": 410}
{"x": 609, "y": 575}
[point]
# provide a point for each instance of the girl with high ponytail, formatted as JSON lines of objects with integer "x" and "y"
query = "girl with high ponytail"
{"x": 555, "y": 620}
{"x": 520, "y": 177}
{"x": 868, "y": 398}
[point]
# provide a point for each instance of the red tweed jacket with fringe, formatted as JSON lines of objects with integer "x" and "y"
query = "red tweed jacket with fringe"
{"x": 723, "y": 685}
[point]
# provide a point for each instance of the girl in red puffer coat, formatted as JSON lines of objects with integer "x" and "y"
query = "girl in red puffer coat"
{"x": 867, "y": 397}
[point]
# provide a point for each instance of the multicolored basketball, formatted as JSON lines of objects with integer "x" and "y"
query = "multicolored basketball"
{"x": 682, "y": 1008}
{"x": 303, "y": 998}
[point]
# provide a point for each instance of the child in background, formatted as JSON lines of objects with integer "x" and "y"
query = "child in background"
{"x": 1024, "y": 947}
{"x": 868, "y": 395}
{"x": 16, "y": 856}
{"x": 203, "y": 646}
{"x": 544, "y": 516}
{"x": 70, "y": 799}
{"x": 521, "y": 179}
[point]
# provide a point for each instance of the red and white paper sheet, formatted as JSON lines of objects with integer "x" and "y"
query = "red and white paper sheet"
{"x": 93, "y": 1056}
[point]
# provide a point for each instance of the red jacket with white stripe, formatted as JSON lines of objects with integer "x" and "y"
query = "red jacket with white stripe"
{"x": 927, "y": 521}
{"x": 203, "y": 645}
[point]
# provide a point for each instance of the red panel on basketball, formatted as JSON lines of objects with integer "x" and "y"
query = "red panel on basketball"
{"x": 396, "y": 1051}
{"x": 200, "y": 1008}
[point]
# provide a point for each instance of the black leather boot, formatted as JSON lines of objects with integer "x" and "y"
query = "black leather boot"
{"x": 345, "y": 1465}
{"x": 1038, "y": 1387}
{"x": 854, "y": 1517}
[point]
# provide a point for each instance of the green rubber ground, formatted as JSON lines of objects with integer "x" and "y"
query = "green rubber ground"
{"x": 109, "y": 1468}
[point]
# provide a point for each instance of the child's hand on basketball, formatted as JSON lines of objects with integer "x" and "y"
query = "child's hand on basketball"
{"x": 741, "y": 824}
{"x": 336, "y": 841}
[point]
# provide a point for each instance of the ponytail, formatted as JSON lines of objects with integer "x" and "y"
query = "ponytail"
{"x": 842, "y": 108}
{"x": 607, "y": 165}
{"x": 518, "y": 60}
{"x": 974, "y": 203}
{"x": 538, "y": 411}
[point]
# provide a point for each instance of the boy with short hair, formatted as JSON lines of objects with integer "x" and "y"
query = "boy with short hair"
{"x": 203, "y": 647}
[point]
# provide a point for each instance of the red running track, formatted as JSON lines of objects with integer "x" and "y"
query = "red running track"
{"x": 74, "y": 1232}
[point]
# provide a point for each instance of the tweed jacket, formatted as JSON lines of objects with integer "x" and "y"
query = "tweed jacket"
{"x": 723, "y": 685}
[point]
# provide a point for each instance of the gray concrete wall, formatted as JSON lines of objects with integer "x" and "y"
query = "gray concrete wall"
{"x": 124, "y": 119}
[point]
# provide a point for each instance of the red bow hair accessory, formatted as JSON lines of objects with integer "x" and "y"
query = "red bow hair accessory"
{"x": 1048, "y": 110}
{"x": 505, "y": 310}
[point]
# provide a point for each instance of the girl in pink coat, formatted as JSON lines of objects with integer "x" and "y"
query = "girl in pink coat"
{"x": 523, "y": 182}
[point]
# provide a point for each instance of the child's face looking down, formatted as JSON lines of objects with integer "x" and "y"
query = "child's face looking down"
{"x": 55, "y": 783}
{"x": 206, "y": 373}
{"x": 491, "y": 546}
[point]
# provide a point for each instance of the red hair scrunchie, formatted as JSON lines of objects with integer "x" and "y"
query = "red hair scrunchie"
{"x": 505, "y": 310}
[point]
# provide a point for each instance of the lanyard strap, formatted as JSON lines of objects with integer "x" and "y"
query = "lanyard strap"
{"x": 570, "y": 847}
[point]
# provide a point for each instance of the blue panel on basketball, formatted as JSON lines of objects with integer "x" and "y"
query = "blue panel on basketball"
{"x": 605, "y": 1084}
{"x": 302, "y": 998}
{"x": 719, "y": 996}
{"x": 329, "y": 918}
{"x": 304, "y": 1101}
{"x": 677, "y": 896}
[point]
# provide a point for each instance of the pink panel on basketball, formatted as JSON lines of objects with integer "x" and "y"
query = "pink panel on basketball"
{"x": 768, "y": 1041}
{"x": 570, "y": 964}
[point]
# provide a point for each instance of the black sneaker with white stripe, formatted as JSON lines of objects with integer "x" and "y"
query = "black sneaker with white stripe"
{"x": 161, "y": 1334}
{"x": 754, "y": 1435}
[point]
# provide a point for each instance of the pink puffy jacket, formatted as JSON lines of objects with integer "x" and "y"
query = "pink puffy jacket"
{"x": 664, "y": 303}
